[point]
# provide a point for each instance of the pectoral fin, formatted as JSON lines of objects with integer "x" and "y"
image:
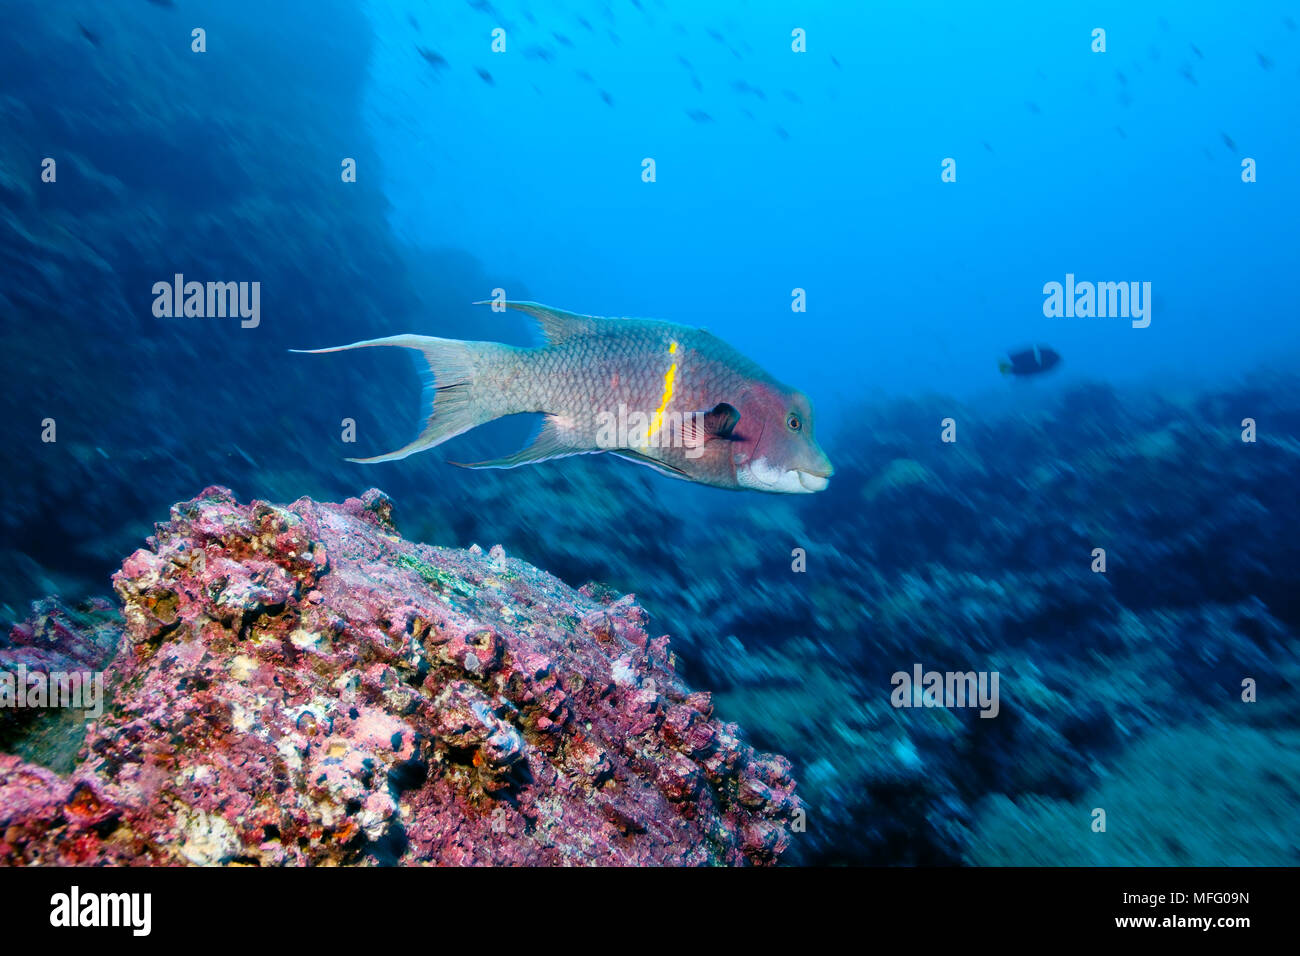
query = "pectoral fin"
{"x": 718, "y": 422}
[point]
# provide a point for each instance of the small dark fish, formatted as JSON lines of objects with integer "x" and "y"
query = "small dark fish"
{"x": 684, "y": 62}
{"x": 1227, "y": 141}
{"x": 164, "y": 3}
{"x": 1264, "y": 61}
{"x": 743, "y": 87}
{"x": 746, "y": 113}
{"x": 715, "y": 35}
{"x": 1032, "y": 107}
{"x": 585, "y": 76}
{"x": 432, "y": 58}
{"x": 1031, "y": 361}
{"x": 1122, "y": 78}
{"x": 792, "y": 96}
{"x": 410, "y": 18}
{"x": 482, "y": 6}
{"x": 678, "y": 30}
{"x": 615, "y": 38}
{"x": 780, "y": 132}
{"x": 1122, "y": 134}
{"x": 485, "y": 76}
{"x": 536, "y": 52}
{"x": 585, "y": 24}
{"x": 1153, "y": 54}
{"x": 609, "y": 100}
{"x": 561, "y": 39}
{"x": 988, "y": 147}
{"x": 695, "y": 82}
{"x": 1196, "y": 50}
{"x": 1186, "y": 74}
{"x": 1289, "y": 24}
{"x": 835, "y": 63}
{"x": 91, "y": 38}
{"x": 699, "y": 116}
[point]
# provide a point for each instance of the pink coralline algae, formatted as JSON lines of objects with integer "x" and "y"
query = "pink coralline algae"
{"x": 301, "y": 685}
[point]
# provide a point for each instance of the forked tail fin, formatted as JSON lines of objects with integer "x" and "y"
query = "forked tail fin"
{"x": 449, "y": 388}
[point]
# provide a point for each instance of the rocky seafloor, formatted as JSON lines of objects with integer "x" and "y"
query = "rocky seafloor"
{"x": 301, "y": 685}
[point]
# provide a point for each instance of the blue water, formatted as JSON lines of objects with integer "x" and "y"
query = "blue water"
{"x": 1111, "y": 166}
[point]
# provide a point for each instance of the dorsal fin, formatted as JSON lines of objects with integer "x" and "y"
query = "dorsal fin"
{"x": 556, "y": 324}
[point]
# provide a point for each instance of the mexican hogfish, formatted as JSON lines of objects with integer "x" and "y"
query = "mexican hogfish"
{"x": 672, "y": 397}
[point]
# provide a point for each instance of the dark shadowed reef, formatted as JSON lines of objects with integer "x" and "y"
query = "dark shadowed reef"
{"x": 1119, "y": 689}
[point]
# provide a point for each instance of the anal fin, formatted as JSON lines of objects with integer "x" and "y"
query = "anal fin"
{"x": 546, "y": 444}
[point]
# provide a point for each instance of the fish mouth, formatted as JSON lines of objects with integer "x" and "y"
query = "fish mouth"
{"x": 812, "y": 482}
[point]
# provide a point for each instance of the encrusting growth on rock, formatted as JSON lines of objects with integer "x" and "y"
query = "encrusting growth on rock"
{"x": 301, "y": 685}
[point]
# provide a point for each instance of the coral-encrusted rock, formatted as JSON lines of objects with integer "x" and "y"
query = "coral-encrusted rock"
{"x": 302, "y": 685}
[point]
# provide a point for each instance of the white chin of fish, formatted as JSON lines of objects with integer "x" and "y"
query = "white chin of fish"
{"x": 758, "y": 475}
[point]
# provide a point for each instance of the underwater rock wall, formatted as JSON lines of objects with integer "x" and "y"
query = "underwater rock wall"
{"x": 301, "y": 685}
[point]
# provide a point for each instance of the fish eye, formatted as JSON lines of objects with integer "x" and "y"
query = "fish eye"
{"x": 792, "y": 422}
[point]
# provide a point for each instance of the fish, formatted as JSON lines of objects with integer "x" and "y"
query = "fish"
{"x": 672, "y": 397}
{"x": 699, "y": 116}
{"x": 432, "y": 57}
{"x": 1031, "y": 361}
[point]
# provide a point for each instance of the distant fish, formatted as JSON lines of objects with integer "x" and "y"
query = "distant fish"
{"x": 1196, "y": 50}
{"x": 780, "y": 131}
{"x": 1186, "y": 73}
{"x": 1122, "y": 134}
{"x": 585, "y": 76}
{"x": 792, "y": 96}
{"x": 987, "y": 146}
{"x": 1264, "y": 61}
{"x": 91, "y": 38}
{"x": 684, "y": 62}
{"x": 538, "y": 52}
{"x": 482, "y": 6}
{"x": 1031, "y": 361}
{"x": 163, "y": 3}
{"x": 1121, "y": 77}
{"x": 835, "y": 63}
{"x": 699, "y": 116}
{"x": 675, "y": 398}
{"x": 432, "y": 57}
{"x": 1289, "y": 24}
{"x": 609, "y": 100}
{"x": 585, "y": 24}
{"x": 1227, "y": 141}
{"x": 410, "y": 18}
{"x": 561, "y": 39}
{"x": 485, "y": 76}
{"x": 695, "y": 82}
{"x": 748, "y": 89}
{"x": 1032, "y": 107}
{"x": 715, "y": 35}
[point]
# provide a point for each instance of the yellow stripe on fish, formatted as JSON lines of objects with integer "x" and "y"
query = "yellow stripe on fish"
{"x": 658, "y": 420}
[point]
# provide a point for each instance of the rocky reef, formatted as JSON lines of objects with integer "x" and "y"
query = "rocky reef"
{"x": 301, "y": 685}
